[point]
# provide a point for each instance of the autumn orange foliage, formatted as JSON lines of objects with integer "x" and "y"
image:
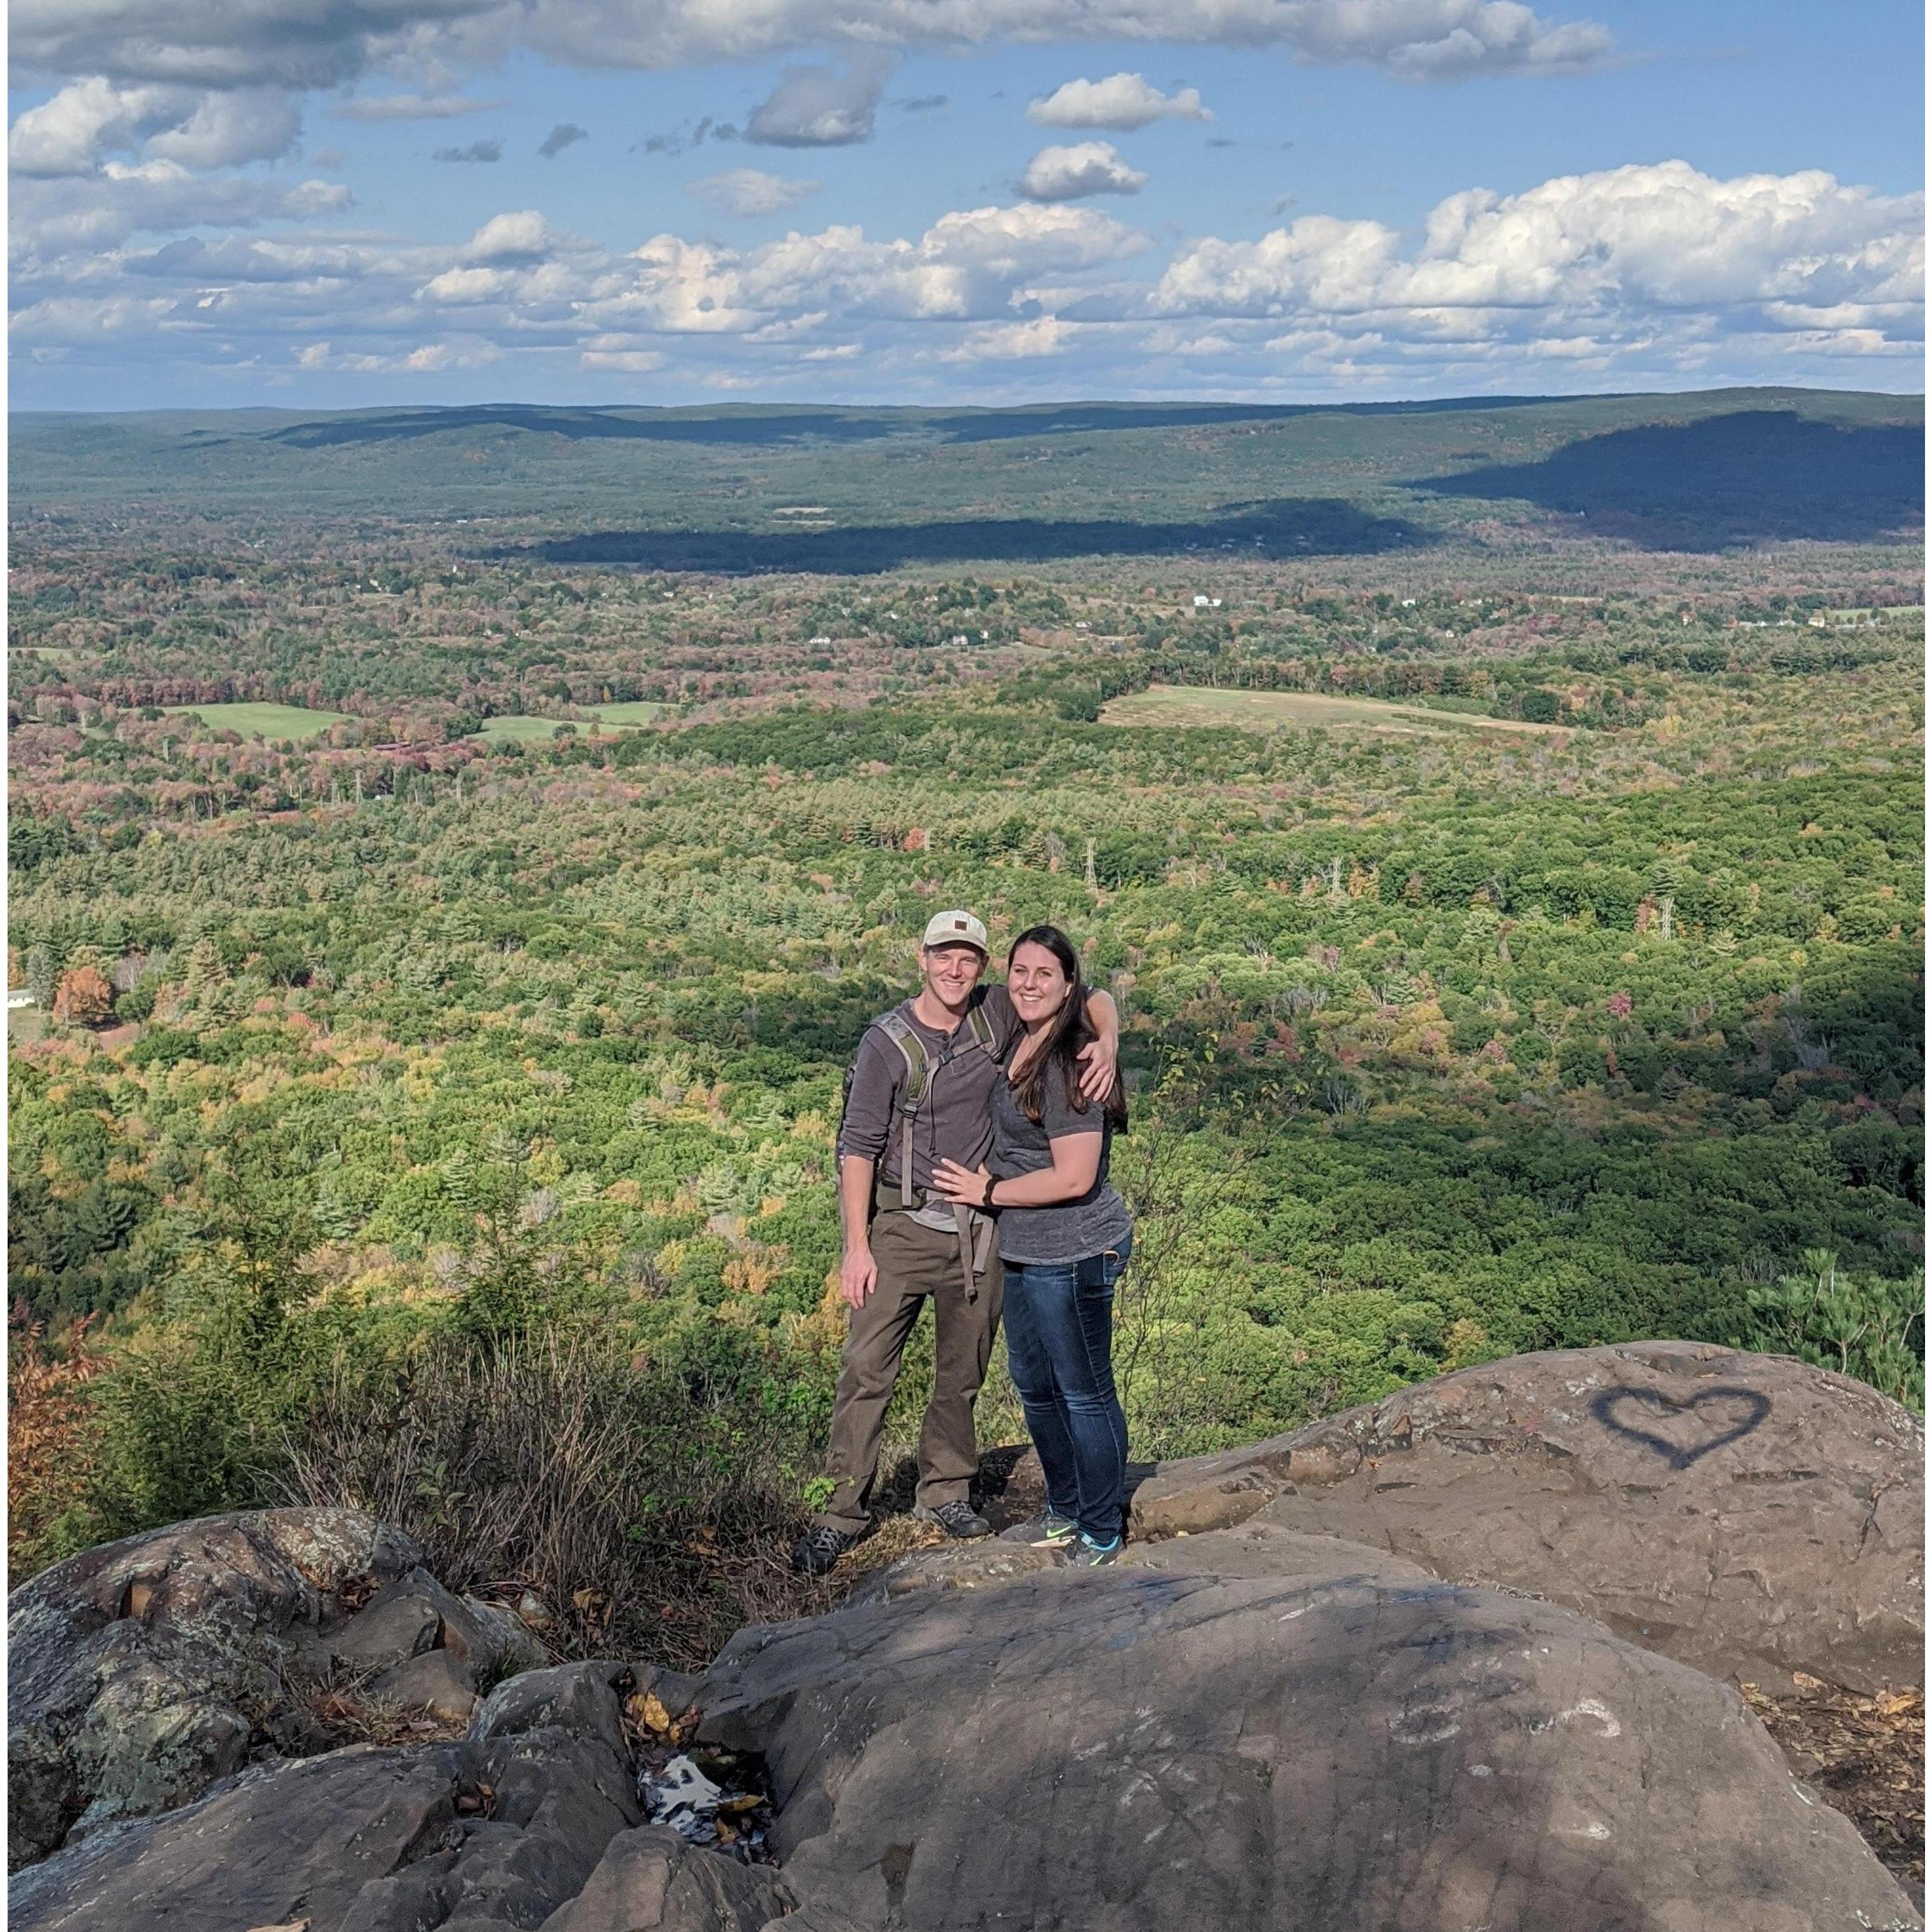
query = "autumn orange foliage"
{"x": 49, "y": 1434}
{"x": 83, "y": 997}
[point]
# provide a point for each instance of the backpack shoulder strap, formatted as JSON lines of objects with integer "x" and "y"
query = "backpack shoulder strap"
{"x": 982, "y": 1027}
{"x": 904, "y": 1036}
{"x": 897, "y": 1028}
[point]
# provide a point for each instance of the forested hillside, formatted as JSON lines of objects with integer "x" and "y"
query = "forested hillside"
{"x": 445, "y": 1065}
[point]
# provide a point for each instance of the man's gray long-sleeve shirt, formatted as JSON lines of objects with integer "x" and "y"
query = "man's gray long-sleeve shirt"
{"x": 955, "y": 1119}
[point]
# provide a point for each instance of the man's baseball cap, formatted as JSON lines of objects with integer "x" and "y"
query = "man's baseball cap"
{"x": 954, "y": 928}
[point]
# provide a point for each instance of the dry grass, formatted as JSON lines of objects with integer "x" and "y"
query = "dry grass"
{"x": 50, "y": 1434}
{"x": 648, "y": 1519}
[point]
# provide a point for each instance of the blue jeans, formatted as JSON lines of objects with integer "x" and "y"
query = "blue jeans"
{"x": 1060, "y": 1348}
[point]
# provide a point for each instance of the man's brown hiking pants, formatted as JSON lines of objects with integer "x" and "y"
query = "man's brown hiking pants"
{"x": 915, "y": 1263}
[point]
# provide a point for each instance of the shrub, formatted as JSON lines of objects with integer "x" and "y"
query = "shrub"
{"x": 1861, "y": 1325}
{"x": 648, "y": 1506}
{"x": 50, "y": 1435}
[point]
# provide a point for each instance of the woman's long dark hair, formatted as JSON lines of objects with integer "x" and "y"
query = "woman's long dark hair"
{"x": 1058, "y": 1055}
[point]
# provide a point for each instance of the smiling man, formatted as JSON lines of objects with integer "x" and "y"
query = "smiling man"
{"x": 920, "y": 1092}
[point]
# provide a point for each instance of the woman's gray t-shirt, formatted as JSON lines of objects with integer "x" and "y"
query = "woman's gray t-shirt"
{"x": 1069, "y": 1231}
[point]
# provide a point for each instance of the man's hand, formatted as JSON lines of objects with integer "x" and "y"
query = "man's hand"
{"x": 858, "y": 1276}
{"x": 1100, "y": 1067}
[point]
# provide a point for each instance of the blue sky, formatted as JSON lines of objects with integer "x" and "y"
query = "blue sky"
{"x": 905, "y": 199}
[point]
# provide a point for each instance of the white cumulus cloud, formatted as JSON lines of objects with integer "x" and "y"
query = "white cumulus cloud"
{"x": 74, "y": 131}
{"x": 1646, "y": 276}
{"x": 746, "y": 192}
{"x": 382, "y": 107}
{"x": 822, "y": 107}
{"x": 1649, "y": 240}
{"x": 248, "y": 124}
{"x": 1012, "y": 341}
{"x": 522, "y": 236}
{"x": 1122, "y": 102}
{"x": 83, "y": 215}
{"x": 1070, "y": 174}
{"x": 310, "y": 43}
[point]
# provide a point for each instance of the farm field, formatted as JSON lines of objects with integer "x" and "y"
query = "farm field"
{"x": 519, "y": 731}
{"x": 265, "y": 721}
{"x": 641, "y": 711}
{"x": 1177, "y": 706}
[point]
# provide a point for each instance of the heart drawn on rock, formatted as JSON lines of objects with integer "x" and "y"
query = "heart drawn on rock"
{"x": 1735, "y": 1412}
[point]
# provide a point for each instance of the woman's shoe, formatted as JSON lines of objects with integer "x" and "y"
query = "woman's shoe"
{"x": 1084, "y": 1553}
{"x": 1046, "y": 1530}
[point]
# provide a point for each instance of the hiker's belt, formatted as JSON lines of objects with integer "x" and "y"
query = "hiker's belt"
{"x": 974, "y": 1229}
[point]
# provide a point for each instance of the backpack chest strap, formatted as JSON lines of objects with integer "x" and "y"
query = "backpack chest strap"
{"x": 919, "y": 1070}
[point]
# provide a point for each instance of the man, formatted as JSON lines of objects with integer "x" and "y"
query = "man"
{"x": 920, "y": 1092}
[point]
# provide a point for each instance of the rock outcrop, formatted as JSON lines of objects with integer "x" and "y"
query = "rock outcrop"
{"x": 142, "y": 1671}
{"x": 531, "y": 1819}
{"x": 1747, "y": 1514}
{"x": 1276, "y": 1713}
{"x": 1132, "y": 1750}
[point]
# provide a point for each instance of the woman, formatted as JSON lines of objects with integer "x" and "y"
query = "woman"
{"x": 1064, "y": 1236}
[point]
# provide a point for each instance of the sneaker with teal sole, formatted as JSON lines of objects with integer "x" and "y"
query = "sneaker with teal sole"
{"x": 1084, "y": 1553}
{"x": 1046, "y": 1530}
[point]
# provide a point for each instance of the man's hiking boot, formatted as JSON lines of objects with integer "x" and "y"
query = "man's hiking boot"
{"x": 1046, "y": 1530}
{"x": 960, "y": 1521}
{"x": 1084, "y": 1553}
{"x": 819, "y": 1548}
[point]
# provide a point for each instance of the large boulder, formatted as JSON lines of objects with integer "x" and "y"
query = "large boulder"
{"x": 142, "y": 1671}
{"x": 531, "y": 1828}
{"x": 503, "y": 1827}
{"x": 270, "y": 1847}
{"x": 1747, "y": 1514}
{"x": 138, "y": 1671}
{"x": 650, "y": 1880}
{"x": 531, "y": 1819}
{"x": 1124, "y": 1750}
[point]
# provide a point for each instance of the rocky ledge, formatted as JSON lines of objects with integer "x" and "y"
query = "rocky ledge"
{"x": 1434, "y": 1664}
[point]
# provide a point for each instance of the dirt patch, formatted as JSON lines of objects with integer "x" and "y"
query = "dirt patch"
{"x": 1865, "y": 1756}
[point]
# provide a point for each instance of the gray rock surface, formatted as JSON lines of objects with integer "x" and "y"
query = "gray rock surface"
{"x": 138, "y": 1670}
{"x": 415, "y": 1614}
{"x": 298, "y": 1842}
{"x": 1290, "y": 1705}
{"x": 1256, "y": 1549}
{"x": 1120, "y": 1750}
{"x": 650, "y": 1880}
{"x": 501, "y": 1829}
{"x": 1747, "y": 1514}
{"x": 585, "y": 1700}
{"x": 399, "y": 1622}
{"x": 1253, "y": 1549}
{"x": 436, "y": 1682}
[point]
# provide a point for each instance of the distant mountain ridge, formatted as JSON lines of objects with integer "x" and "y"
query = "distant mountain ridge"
{"x": 709, "y": 487}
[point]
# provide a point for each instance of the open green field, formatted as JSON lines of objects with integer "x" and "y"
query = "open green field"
{"x": 267, "y": 720}
{"x": 1296, "y": 710}
{"x": 519, "y": 730}
{"x": 524, "y": 730}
